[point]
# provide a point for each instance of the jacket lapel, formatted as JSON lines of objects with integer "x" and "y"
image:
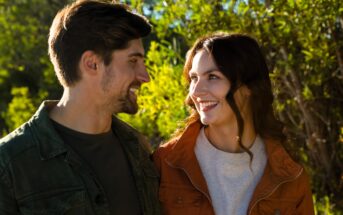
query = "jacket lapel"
{"x": 44, "y": 134}
{"x": 280, "y": 169}
{"x": 183, "y": 157}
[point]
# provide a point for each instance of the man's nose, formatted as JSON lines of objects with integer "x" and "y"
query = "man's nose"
{"x": 143, "y": 75}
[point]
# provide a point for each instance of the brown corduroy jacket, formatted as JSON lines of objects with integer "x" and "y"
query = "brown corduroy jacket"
{"x": 283, "y": 189}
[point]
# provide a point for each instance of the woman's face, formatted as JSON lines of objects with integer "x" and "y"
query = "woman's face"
{"x": 208, "y": 90}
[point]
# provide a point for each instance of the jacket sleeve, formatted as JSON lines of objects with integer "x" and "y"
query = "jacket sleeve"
{"x": 144, "y": 143}
{"x": 157, "y": 160}
{"x": 305, "y": 206}
{"x": 8, "y": 204}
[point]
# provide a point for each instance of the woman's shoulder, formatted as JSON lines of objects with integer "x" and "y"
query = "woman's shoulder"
{"x": 281, "y": 162}
{"x": 161, "y": 152}
{"x": 167, "y": 146}
{"x": 181, "y": 141}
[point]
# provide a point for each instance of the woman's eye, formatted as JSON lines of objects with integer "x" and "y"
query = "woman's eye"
{"x": 193, "y": 77}
{"x": 211, "y": 76}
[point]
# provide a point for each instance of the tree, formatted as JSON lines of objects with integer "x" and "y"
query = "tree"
{"x": 24, "y": 27}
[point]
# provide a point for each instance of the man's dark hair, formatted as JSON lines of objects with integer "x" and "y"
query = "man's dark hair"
{"x": 93, "y": 25}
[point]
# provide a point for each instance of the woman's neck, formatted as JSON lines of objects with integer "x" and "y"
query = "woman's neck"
{"x": 225, "y": 138}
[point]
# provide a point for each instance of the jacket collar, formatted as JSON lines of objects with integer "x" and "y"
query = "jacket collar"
{"x": 281, "y": 164}
{"x": 280, "y": 167}
{"x": 182, "y": 156}
{"x": 49, "y": 142}
{"x": 51, "y": 145}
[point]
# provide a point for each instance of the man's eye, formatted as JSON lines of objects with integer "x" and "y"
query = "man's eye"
{"x": 133, "y": 60}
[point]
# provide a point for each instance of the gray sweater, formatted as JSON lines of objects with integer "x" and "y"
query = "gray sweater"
{"x": 229, "y": 178}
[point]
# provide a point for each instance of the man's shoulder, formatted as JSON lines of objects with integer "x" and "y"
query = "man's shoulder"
{"x": 15, "y": 143}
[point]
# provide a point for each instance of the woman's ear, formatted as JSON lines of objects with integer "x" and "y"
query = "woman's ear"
{"x": 246, "y": 91}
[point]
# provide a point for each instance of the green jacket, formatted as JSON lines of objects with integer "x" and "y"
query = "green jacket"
{"x": 39, "y": 174}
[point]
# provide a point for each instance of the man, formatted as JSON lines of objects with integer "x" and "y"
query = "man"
{"x": 73, "y": 156}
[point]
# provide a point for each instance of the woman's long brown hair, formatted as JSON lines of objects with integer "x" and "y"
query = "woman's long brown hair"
{"x": 240, "y": 59}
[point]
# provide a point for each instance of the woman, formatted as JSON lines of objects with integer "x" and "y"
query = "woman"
{"x": 230, "y": 157}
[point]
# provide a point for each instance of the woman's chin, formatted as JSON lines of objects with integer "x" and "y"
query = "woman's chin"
{"x": 204, "y": 120}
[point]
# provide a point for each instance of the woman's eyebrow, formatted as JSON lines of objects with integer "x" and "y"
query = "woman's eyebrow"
{"x": 204, "y": 73}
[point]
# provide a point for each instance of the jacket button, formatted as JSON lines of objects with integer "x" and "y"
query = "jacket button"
{"x": 99, "y": 199}
{"x": 277, "y": 212}
{"x": 197, "y": 204}
{"x": 179, "y": 200}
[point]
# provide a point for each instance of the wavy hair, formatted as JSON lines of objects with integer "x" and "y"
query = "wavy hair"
{"x": 239, "y": 58}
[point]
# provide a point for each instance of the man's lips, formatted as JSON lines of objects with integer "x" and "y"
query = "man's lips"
{"x": 133, "y": 90}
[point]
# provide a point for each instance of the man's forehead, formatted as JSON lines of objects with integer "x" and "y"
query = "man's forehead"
{"x": 134, "y": 48}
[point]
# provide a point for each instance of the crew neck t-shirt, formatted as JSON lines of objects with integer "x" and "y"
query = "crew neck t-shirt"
{"x": 104, "y": 154}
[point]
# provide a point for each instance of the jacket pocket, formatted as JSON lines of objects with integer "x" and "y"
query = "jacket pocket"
{"x": 180, "y": 200}
{"x": 67, "y": 201}
{"x": 280, "y": 206}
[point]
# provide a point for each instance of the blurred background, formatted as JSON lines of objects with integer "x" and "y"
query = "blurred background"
{"x": 301, "y": 39}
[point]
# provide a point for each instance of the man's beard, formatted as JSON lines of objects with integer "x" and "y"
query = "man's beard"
{"x": 128, "y": 105}
{"x": 123, "y": 104}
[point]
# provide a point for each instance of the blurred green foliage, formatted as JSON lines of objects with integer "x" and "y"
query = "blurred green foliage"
{"x": 24, "y": 63}
{"x": 20, "y": 109}
{"x": 302, "y": 41}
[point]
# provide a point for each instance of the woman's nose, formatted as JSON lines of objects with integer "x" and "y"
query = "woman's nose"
{"x": 199, "y": 88}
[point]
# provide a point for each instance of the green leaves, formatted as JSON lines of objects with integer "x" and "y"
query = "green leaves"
{"x": 23, "y": 58}
{"x": 20, "y": 109}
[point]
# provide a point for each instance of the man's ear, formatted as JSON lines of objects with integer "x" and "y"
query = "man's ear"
{"x": 89, "y": 63}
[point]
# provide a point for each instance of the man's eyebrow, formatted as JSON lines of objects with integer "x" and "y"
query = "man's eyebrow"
{"x": 136, "y": 54}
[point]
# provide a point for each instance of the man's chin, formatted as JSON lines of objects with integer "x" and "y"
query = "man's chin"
{"x": 131, "y": 111}
{"x": 130, "y": 108}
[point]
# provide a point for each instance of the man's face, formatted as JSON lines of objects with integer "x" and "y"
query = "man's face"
{"x": 123, "y": 76}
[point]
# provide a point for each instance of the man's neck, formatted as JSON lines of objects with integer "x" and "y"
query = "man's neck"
{"x": 75, "y": 111}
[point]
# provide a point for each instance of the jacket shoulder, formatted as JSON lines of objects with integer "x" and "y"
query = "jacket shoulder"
{"x": 15, "y": 143}
{"x": 163, "y": 150}
{"x": 303, "y": 181}
{"x": 166, "y": 146}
